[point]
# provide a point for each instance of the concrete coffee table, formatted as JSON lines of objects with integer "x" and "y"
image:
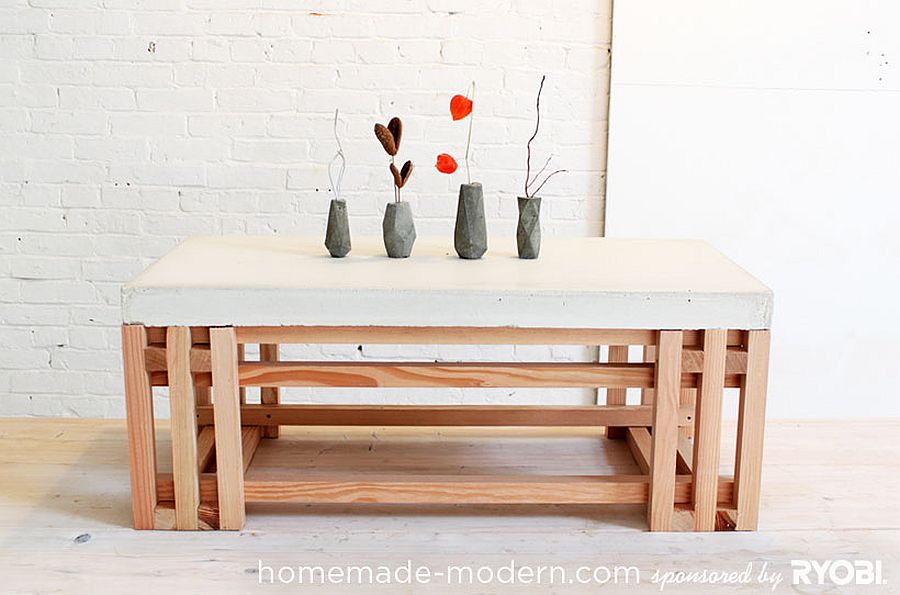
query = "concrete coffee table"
{"x": 703, "y": 323}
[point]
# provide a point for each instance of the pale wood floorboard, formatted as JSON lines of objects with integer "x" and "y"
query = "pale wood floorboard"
{"x": 829, "y": 491}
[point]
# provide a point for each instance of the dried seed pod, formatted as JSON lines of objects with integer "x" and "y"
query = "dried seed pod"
{"x": 405, "y": 173}
{"x": 398, "y": 181}
{"x": 386, "y": 138}
{"x": 396, "y": 128}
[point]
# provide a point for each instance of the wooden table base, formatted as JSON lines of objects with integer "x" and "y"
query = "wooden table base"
{"x": 673, "y": 434}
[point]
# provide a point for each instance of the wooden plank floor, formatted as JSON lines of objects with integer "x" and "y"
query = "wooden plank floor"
{"x": 829, "y": 491}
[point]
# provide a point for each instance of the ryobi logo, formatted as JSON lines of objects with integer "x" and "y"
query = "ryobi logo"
{"x": 837, "y": 572}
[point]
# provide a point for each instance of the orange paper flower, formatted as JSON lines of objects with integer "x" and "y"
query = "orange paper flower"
{"x": 460, "y": 107}
{"x": 446, "y": 164}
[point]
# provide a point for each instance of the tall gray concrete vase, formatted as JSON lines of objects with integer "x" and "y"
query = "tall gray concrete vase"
{"x": 528, "y": 231}
{"x": 399, "y": 229}
{"x": 337, "y": 234}
{"x": 470, "y": 237}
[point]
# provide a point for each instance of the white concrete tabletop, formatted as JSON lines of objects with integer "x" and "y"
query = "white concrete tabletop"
{"x": 576, "y": 283}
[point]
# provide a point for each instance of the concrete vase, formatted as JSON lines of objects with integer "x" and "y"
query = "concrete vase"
{"x": 470, "y": 236}
{"x": 398, "y": 229}
{"x": 337, "y": 234}
{"x": 528, "y": 230}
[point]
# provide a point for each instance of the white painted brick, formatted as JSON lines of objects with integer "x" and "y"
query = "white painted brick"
{"x": 93, "y": 48}
{"x": 175, "y": 100}
{"x": 54, "y": 47}
{"x": 111, "y": 149}
{"x": 68, "y": 122}
{"x": 131, "y": 75}
{"x": 41, "y": 267}
{"x": 58, "y": 292}
{"x": 147, "y": 124}
{"x": 27, "y": 96}
{"x": 209, "y": 50}
{"x": 78, "y": 98}
{"x": 187, "y": 150}
{"x": 31, "y": 219}
{"x": 169, "y": 23}
{"x": 88, "y": 22}
{"x": 227, "y": 125}
{"x": 269, "y": 151}
{"x": 54, "y": 244}
{"x": 153, "y": 174}
{"x": 254, "y": 100}
{"x": 246, "y": 176}
{"x": 130, "y": 124}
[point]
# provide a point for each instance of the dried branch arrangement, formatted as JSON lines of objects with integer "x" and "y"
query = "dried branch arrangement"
{"x": 529, "y": 181}
{"x": 390, "y": 136}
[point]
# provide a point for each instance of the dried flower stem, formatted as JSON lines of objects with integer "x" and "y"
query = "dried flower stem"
{"x": 469, "y": 137}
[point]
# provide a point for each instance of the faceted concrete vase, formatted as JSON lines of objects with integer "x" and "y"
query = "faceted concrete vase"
{"x": 470, "y": 238}
{"x": 337, "y": 235}
{"x": 528, "y": 231}
{"x": 399, "y": 230}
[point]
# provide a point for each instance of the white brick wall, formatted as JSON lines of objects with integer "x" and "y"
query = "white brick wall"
{"x": 126, "y": 125}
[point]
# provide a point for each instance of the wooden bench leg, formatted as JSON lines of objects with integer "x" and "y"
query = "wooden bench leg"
{"x": 708, "y": 429}
{"x": 618, "y": 354}
{"x": 141, "y": 437}
{"x": 183, "y": 408}
{"x": 227, "y": 416}
{"x": 649, "y": 358}
{"x": 269, "y": 395}
{"x": 750, "y": 431}
{"x": 664, "y": 440}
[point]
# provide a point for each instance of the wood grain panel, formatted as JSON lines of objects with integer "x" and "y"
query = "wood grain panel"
{"x": 141, "y": 435}
{"x": 443, "y": 415}
{"x": 184, "y": 428}
{"x": 667, "y": 390}
{"x": 457, "y": 375}
{"x": 750, "y": 432}
{"x": 227, "y": 412}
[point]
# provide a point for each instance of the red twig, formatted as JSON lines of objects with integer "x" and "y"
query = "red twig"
{"x": 537, "y": 127}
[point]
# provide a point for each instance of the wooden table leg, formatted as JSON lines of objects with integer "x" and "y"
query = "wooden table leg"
{"x": 269, "y": 395}
{"x": 649, "y": 357}
{"x": 618, "y": 354}
{"x": 664, "y": 444}
{"x": 708, "y": 429}
{"x": 184, "y": 427}
{"x": 141, "y": 437}
{"x": 750, "y": 431}
{"x": 227, "y": 416}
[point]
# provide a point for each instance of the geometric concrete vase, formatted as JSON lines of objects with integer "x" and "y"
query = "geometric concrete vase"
{"x": 528, "y": 230}
{"x": 470, "y": 237}
{"x": 337, "y": 234}
{"x": 398, "y": 229}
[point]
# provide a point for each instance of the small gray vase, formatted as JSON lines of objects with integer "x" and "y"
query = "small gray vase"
{"x": 528, "y": 231}
{"x": 470, "y": 237}
{"x": 399, "y": 229}
{"x": 337, "y": 234}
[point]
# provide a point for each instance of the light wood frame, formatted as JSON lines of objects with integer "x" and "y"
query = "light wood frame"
{"x": 673, "y": 434}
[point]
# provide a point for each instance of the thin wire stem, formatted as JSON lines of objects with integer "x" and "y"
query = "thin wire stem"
{"x": 336, "y": 187}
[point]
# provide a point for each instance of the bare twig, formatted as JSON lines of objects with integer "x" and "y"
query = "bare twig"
{"x": 537, "y": 127}
{"x": 546, "y": 163}
{"x": 547, "y": 179}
